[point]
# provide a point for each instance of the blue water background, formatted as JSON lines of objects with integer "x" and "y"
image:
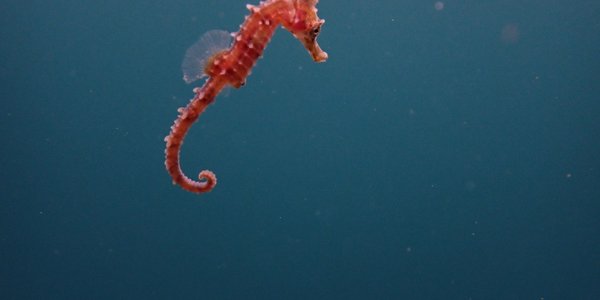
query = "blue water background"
{"x": 446, "y": 153}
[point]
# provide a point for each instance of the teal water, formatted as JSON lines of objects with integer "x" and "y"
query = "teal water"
{"x": 447, "y": 153}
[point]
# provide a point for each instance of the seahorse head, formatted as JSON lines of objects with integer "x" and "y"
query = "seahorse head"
{"x": 305, "y": 25}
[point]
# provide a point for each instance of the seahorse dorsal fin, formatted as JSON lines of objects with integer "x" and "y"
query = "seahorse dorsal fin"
{"x": 199, "y": 54}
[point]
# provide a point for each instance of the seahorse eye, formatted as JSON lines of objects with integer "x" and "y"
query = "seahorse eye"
{"x": 316, "y": 30}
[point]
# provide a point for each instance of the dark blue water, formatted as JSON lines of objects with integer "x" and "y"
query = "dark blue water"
{"x": 448, "y": 153}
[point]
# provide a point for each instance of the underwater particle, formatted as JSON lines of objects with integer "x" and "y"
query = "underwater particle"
{"x": 510, "y": 33}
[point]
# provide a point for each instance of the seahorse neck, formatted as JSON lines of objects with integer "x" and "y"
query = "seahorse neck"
{"x": 251, "y": 40}
{"x": 259, "y": 26}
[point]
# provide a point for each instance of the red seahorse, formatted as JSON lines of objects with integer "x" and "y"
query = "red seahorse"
{"x": 231, "y": 67}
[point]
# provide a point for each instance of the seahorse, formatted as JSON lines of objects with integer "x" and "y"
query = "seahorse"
{"x": 231, "y": 66}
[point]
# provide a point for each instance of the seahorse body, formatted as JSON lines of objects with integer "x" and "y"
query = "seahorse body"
{"x": 232, "y": 66}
